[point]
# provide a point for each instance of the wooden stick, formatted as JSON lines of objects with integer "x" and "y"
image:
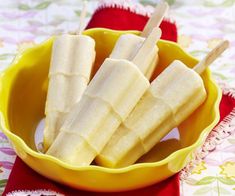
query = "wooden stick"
{"x": 82, "y": 18}
{"x": 211, "y": 56}
{"x": 156, "y": 18}
{"x": 147, "y": 47}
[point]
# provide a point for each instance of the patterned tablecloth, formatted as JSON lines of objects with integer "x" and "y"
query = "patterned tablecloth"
{"x": 201, "y": 25}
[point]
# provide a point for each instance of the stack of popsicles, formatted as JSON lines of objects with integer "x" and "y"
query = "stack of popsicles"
{"x": 119, "y": 115}
{"x": 107, "y": 101}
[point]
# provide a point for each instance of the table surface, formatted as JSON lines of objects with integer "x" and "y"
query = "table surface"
{"x": 201, "y": 25}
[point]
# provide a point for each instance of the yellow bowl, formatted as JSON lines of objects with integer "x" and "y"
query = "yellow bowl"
{"x": 23, "y": 89}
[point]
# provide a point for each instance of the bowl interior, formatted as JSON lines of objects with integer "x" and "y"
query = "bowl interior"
{"x": 24, "y": 89}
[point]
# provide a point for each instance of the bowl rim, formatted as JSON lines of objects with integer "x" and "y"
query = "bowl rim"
{"x": 20, "y": 142}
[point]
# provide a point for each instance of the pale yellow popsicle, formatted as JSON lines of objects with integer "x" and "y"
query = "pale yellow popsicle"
{"x": 128, "y": 44}
{"x": 71, "y": 64}
{"x": 171, "y": 98}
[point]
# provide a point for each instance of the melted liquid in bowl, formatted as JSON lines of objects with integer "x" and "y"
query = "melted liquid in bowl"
{"x": 38, "y": 135}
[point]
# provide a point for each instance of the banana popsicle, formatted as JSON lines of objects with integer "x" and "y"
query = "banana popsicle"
{"x": 128, "y": 44}
{"x": 171, "y": 98}
{"x": 71, "y": 64}
{"x": 109, "y": 98}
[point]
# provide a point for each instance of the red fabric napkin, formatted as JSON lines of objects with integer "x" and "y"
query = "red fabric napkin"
{"x": 22, "y": 178}
{"x": 121, "y": 19}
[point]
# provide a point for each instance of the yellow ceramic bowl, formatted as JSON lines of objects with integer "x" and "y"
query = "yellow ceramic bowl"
{"x": 23, "y": 89}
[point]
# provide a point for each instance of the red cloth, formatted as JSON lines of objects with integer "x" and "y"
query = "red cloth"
{"x": 119, "y": 19}
{"x": 24, "y": 178}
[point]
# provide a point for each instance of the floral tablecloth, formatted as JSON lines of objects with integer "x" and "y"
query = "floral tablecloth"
{"x": 201, "y": 25}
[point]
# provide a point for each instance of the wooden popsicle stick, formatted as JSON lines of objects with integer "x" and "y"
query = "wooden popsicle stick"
{"x": 147, "y": 46}
{"x": 156, "y": 18}
{"x": 82, "y": 18}
{"x": 211, "y": 56}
